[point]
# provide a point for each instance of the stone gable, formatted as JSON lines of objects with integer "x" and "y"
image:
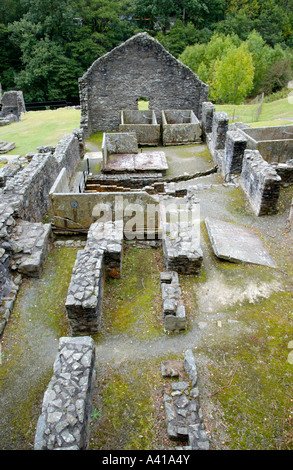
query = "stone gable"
{"x": 140, "y": 67}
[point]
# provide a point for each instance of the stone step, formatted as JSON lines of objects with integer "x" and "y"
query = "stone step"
{"x": 6, "y": 146}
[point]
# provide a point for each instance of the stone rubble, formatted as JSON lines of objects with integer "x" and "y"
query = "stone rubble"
{"x": 183, "y": 413}
{"x": 30, "y": 243}
{"x": 67, "y": 402}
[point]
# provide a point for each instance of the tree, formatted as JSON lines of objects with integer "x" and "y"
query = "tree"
{"x": 48, "y": 74}
{"x": 233, "y": 76}
{"x": 9, "y": 59}
{"x": 178, "y": 38}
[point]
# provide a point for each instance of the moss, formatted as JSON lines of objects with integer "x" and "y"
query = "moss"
{"x": 96, "y": 139}
{"x": 238, "y": 203}
{"x": 131, "y": 415}
{"x": 254, "y": 386}
{"x": 132, "y": 304}
{"x": 30, "y": 340}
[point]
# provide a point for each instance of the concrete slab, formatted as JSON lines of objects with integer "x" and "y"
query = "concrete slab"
{"x": 236, "y": 243}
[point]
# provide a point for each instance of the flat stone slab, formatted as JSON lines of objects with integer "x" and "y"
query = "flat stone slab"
{"x": 235, "y": 243}
{"x": 132, "y": 162}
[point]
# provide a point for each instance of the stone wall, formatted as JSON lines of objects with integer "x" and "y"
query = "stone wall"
{"x": 174, "y": 317}
{"x": 235, "y": 147}
{"x": 85, "y": 293}
{"x": 181, "y": 235}
{"x": 24, "y": 195}
{"x": 28, "y": 191}
{"x": 208, "y": 110}
{"x": 79, "y": 211}
{"x": 67, "y": 403}
{"x": 260, "y": 182}
{"x": 184, "y": 420}
{"x": 140, "y": 67}
{"x": 108, "y": 236}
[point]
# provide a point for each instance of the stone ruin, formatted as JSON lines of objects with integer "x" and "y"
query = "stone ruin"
{"x": 13, "y": 106}
{"x": 183, "y": 413}
{"x": 260, "y": 158}
{"x": 140, "y": 67}
{"x": 44, "y": 181}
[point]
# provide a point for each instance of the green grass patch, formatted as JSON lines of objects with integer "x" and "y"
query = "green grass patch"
{"x": 254, "y": 385}
{"x": 38, "y": 128}
{"x": 129, "y": 415}
{"x": 273, "y": 114}
{"x": 29, "y": 347}
{"x": 96, "y": 139}
{"x": 132, "y": 304}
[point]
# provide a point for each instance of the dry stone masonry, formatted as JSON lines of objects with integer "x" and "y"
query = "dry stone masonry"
{"x": 261, "y": 163}
{"x": 24, "y": 193}
{"x": 180, "y": 237}
{"x": 85, "y": 293}
{"x": 67, "y": 403}
{"x": 183, "y": 413}
{"x": 108, "y": 236}
{"x": 260, "y": 182}
{"x": 174, "y": 316}
{"x": 140, "y": 67}
{"x": 13, "y": 106}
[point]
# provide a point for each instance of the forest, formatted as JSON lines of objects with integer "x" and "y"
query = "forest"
{"x": 241, "y": 48}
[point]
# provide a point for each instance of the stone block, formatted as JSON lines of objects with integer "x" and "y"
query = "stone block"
{"x": 236, "y": 243}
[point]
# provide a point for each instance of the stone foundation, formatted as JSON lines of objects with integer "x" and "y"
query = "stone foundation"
{"x": 183, "y": 413}
{"x": 108, "y": 236}
{"x": 67, "y": 403}
{"x": 173, "y": 307}
{"x": 181, "y": 237}
{"x": 85, "y": 293}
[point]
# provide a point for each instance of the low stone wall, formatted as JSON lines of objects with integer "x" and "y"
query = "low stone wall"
{"x": 180, "y": 237}
{"x": 174, "y": 316}
{"x": 68, "y": 152}
{"x": 183, "y": 413}
{"x": 85, "y": 293}
{"x": 260, "y": 182}
{"x": 67, "y": 403}
{"x": 28, "y": 191}
{"x": 108, "y": 236}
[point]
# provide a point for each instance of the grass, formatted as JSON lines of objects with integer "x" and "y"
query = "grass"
{"x": 38, "y": 128}
{"x": 273, "y": 114}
